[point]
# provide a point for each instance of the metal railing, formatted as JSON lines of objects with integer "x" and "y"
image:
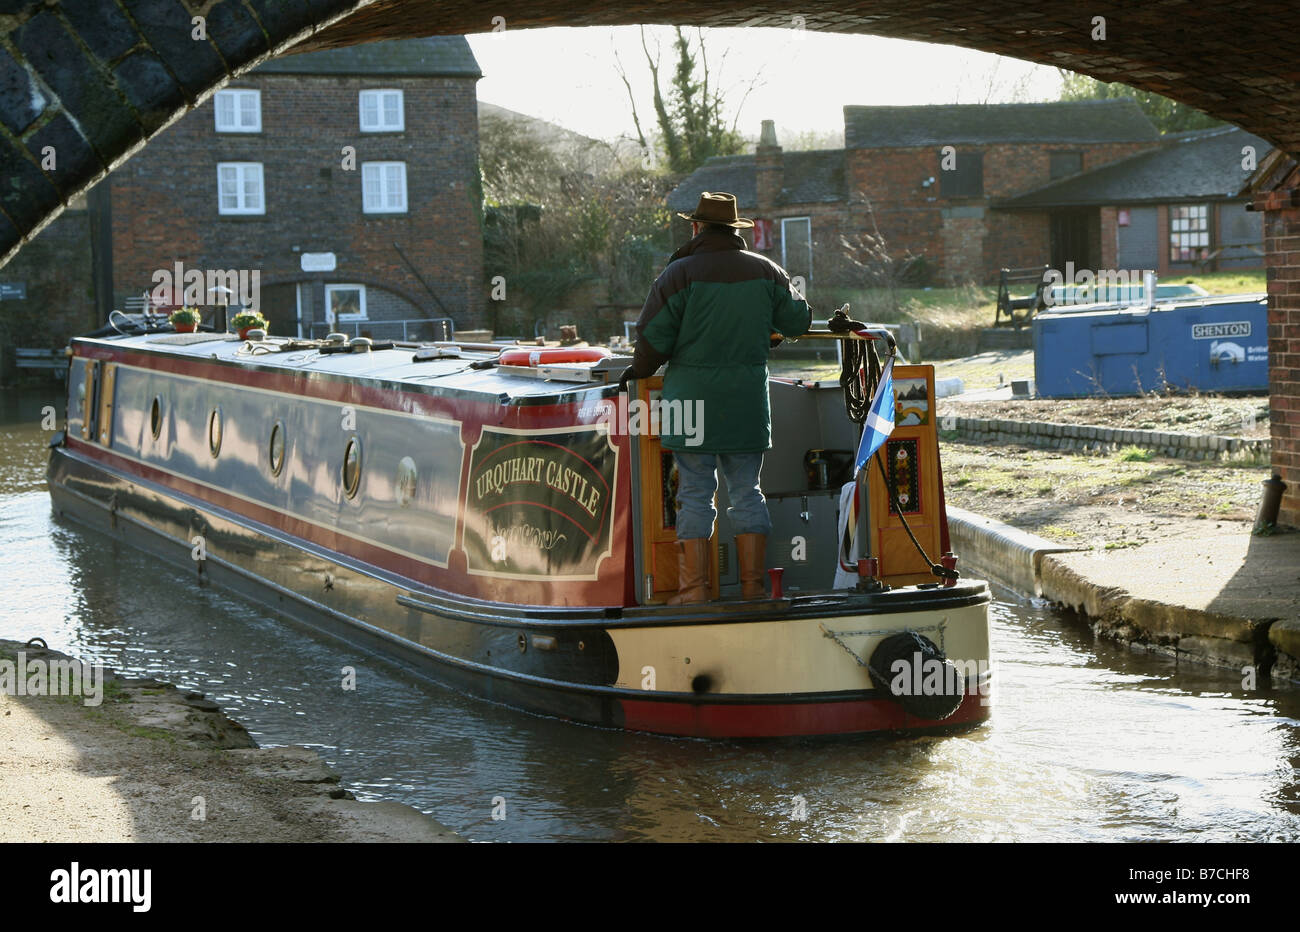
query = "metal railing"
{"x": 424, "y": 328}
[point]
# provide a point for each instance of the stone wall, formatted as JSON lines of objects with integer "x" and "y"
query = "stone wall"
{"x": 1089, "y": 439}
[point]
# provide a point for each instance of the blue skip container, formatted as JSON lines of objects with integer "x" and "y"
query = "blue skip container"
{"x": 1206, "y": 344}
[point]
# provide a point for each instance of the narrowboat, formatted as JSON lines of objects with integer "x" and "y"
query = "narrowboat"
{"x": 503, "y": 518}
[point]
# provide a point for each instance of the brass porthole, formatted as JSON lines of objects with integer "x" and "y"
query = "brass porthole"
{"x": 352, "y": 467}
{"x": 155, "y": 416}
{"x": 214, "y": 431}
{"x": 275, "y": 448}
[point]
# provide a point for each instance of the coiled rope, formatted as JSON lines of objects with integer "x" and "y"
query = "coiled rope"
{"x": 859, "y": 359}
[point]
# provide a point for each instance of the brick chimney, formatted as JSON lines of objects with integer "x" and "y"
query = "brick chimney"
{"x": 769, "y": 170}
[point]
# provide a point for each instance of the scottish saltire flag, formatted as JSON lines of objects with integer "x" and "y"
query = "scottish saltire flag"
{"x": 880, "y": 419}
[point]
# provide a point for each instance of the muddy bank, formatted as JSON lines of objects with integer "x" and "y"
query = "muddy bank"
{"x": 140, "y": 760}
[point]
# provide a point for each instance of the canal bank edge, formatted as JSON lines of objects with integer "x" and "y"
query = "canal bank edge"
{"x": 151, "y": 762}
{"x": 1005, "y": 554}
{"x": 1229, "y": 600}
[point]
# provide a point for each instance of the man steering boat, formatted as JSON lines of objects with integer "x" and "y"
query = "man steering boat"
{"x": 713, "y": 315}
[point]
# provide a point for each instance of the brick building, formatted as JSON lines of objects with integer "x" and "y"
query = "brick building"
{"x": 955, "y": 186}
{"x": 1274, "y": 191}
{"x": 1176, "y": 208}
{"x": 348, "y": 178}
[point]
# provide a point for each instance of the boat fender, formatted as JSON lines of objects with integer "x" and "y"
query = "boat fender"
{"x": 911, "y": 670}
{"x": 552, "y": 356}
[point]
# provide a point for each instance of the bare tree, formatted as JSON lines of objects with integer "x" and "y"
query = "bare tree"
{"x": 688, "y": 112}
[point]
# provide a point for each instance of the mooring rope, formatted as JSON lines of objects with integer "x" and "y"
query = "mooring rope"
{"x": 860, "y": 357}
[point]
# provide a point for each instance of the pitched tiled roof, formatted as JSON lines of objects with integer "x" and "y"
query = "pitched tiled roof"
{"x": 1083, "y": 121}
{"x": 812, "y": 177}
{"x": 1204, "y": 165}
{"x": 436, "y": 56}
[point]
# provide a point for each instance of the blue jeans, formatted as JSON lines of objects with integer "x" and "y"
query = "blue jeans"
{"x": 697, "y": 481}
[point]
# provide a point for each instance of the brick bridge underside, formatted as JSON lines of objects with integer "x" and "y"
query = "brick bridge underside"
{"x": 97, "y": 78}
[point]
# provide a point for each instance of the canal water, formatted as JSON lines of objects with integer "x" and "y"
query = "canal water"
{"x": 1087, "y": 742}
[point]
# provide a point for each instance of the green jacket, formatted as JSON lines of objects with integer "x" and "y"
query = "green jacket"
{"x": 710, "y": 316}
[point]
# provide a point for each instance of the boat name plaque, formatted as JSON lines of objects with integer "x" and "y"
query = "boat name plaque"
{"x": 540, "y": 503}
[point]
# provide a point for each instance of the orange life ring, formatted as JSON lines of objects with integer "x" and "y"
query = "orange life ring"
{"x": 551, "y": 355}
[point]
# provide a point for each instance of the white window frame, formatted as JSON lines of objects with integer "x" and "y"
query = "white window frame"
{"x": 785, "y": 263}
{"x": 237, "y": 95}
{"x": 241, "y": 208}
{"x": 344, "y": 318}
{"x": 380, "y": 95}
{"x": 1193, "y": 232}
{"x": 383, "y": 193}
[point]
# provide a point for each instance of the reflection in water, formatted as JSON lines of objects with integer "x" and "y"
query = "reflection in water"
{"x": 1087, "y": 741}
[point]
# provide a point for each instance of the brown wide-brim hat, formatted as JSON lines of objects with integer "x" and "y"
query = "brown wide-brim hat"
{"x": 718, "y": 208}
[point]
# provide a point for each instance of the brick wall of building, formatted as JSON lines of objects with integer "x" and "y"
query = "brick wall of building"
{"x": 55, "y": 268}
{"x": 965, "y": 244}
{"x": 1019, "y": 239}
{"x": 1282, "y": 245}
{"x": 831, "y": 265}
{"x": 1109, "y": 246}
{"x": 165, "y": 199}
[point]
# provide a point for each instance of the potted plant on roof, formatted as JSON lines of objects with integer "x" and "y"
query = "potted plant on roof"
{"x": 248, "y": 320}
{"x": 185, "y": 320}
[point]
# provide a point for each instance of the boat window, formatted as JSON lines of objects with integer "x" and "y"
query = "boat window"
{"x": 155, "y": 417}
{"x": 214, "y": 431}
{"x": 352, "y": 467}
{"x": 276, "y": 448}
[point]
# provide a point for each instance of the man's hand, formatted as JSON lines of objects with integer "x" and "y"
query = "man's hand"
{"x": 774, "y": 340}
{"x": 622, "y": 382}
{"x": 841, "y": 322}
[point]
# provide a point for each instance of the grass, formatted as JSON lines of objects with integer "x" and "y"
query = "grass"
{"x": 1057, "y": 532}
{"x": 990, "y": 480}
{"x": 952, "y": 317}
{"x": 1249, "y": 281}
{"x": 988, "y": 370}
{"x": 1134, "y": 455}
{"x": 946, "y": 308}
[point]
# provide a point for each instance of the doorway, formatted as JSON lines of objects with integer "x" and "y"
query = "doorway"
{"x": 1074, "y": 236}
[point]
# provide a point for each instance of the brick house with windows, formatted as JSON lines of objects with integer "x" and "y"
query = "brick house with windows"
{"x": 347, "y": 177}
{"x": 1178, "y": 207}
{"x": 945, "y": 183}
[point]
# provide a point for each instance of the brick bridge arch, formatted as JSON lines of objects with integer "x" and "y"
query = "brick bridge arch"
{"x": 95, "y": 79}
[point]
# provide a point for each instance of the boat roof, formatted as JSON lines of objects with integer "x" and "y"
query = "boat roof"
{"x": 393, "y": 366}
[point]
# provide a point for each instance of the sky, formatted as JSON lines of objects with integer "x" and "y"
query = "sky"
{"x": 804, "y": 78}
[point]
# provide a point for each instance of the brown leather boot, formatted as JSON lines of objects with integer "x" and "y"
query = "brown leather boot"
{"x": 692, "y": 572}
{"x": 750, "y": 549}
